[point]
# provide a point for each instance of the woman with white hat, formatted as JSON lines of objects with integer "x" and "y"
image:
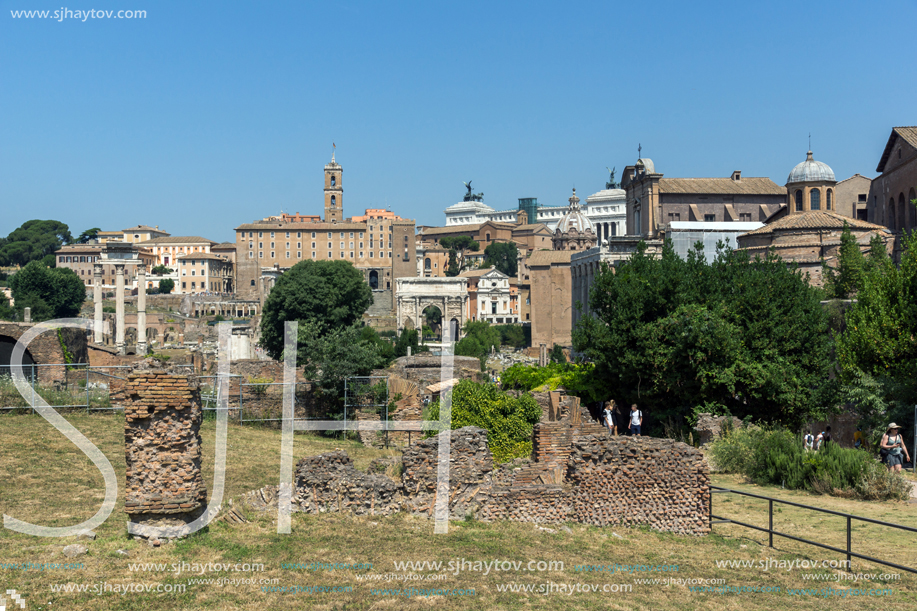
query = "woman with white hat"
{"x": 894, "y": 448}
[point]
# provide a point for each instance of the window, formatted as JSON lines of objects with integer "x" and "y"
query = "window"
{"x": 828, "y": 200}
{"x": 313, "y": 254}
{"x": 333, "y": 181}
{"x": 193, "y": 285}
{"x": 288, "y": 254}
{"x": 299, "y": 234}
{"x": 333, "y": 201}
{"x": 814, "y": 199}
{"x": 342, "y": 235}
{"x": 251, "y": 244}
{"x": 342, "y": 245}
{"x": 361, "y": 235}
{"x": 486, "y": 237}
{"x": 185, "y": 285}
{"x": 313, "y": 236}
{"x": 260, "y": 255}
{"x": 288, "y": 234}
{"x": 272, "y": 234}
{"x": 351, "y": 254}
{"x": 361, "y": 252}
{"x": 351, "y": 243}
{"x": 288, "y": 245}
{"x": 745, "y": 217}
{"x": 260, "y": 244}
{"x": 272, "y": 245}
{"x": 342, "y": 255}
{"x": 351, "y": 235}
{"x": 260, "y": 234}
{"x": 272, "y": 254}
{"x": 361, "y": 243}
{"x": 299, "y": 245}
{"x": 251, "y": 255}
{"x": 370, "y": 255}
{"x": 329, "y": 235}
{"x": 313, "y": 244}
{"x": 709, "y": 218}
{"x": 330, "y": 256}
{"x": 798, "y": 200}
{"x": 674, "y": 216}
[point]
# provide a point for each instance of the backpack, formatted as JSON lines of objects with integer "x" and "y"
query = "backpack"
{"x": 809, "y": 439}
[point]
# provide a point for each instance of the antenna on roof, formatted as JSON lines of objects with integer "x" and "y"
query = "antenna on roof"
{"x": 639, "y": 150}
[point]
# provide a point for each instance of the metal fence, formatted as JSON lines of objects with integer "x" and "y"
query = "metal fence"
{"x": 71, "y": 386}
{"x": 714, "y": 519}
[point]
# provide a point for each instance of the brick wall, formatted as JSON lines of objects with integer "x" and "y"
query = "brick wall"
{"x": 162, "y": 440}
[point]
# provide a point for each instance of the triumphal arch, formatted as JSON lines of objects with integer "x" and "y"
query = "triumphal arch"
{"x": 450, "y": 295}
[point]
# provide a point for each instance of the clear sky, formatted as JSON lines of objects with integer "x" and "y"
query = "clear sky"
{"x": 206, "y": 115}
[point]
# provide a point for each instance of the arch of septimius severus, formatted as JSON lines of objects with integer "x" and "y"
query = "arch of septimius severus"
{"x": 414, "y": 295}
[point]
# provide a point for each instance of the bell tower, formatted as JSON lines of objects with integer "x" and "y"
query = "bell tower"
{"x": 334, "y": 192}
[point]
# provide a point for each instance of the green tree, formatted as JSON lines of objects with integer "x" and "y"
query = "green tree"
{"x": 845, "y": 280}
{"x": 877, "y": 352}
{"x": 161, "y": 270}
{"x": 503, "y": 256}
{"x": 409, "y": 338}
{"x": 332, "y": 294}
{"x": 34, "y": 241}
{"x": 6, "y": 312}
{"x": 671, "y": 334}
{"x": 88, "y": 235}
{"x": 330, "y": 356}
{"x": 480, "y": 337}
{"x": 50, "y": 293}
{"x": 457, "y": 246}
{"x": 511, "y": 335}
{"x": 166, "y": 286}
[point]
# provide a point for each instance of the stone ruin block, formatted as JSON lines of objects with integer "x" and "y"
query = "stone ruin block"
{"x": 162, "y": 439}
{"x": 329, "y": 482}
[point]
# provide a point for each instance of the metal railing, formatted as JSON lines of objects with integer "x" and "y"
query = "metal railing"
{"x": 714, "y": 519}
{"x": 63, "y": 391}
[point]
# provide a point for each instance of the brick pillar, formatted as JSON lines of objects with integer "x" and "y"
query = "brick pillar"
{"x": 119, "y": 307}
{"x": 97, "y": 302}
{"x": 141, "y": 309}
{"x": 162, "y": 440}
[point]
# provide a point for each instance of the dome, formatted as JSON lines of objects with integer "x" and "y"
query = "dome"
{"x": 574, "y": 219}
{"x": 811, "y": 171}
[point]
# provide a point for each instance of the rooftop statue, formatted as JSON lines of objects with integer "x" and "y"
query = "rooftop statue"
{"x": 472, "y": 197}
{"x": 611, "y": 184}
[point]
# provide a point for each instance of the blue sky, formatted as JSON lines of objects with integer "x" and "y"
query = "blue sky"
{"x": 206, "y": 115}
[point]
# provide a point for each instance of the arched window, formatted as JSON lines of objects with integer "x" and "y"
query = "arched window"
{"x": 427, "y": 263}
{"x": 253, "y": 283}
{"x": 798, "y": 200}
{"x": 333, "y": 180}
{"x": 814, "y": 199}
{"x": 487, "y": 237}
{"x": 333, "y": 201}
{"x": 828, "y": 200}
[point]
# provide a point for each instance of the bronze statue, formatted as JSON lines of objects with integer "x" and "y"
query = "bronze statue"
{"x": 472, "y": 197}
{"x": 611, "y": 184}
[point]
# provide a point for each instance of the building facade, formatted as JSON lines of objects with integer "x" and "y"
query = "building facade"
{"x": 205, "y": 273}
{"x": 382, "y": 246}
{"x": 81, "y": 258}
{"x": 491, "y": 296}
{"x": 551, "y": 303}
{"x": 892, "y": 191}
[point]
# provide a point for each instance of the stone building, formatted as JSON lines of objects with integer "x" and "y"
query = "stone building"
{"x": 205, "y": 273}
{"x": 142, "y": 233}
{"x": 82, "y": 257}
{"x": 381, "y": 245}
{"x": 852, "y": 197}
{"x": 550, "y": 293}
{"x": 168, "y": 249}
{"x": 654, "y": 201}
{"x": 492, "y": 296}
{"x": 810, "y": 187}
{"x": 574, "y": 231}
{"x": 809, "y": 238}
{"x": 892, "y": 191}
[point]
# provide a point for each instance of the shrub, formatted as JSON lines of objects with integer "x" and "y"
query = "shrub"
{"x": 508, "y": 419}
{"x": 777, "y": 456}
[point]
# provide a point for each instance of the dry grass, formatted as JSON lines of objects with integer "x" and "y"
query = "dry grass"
{"x": 44, "y": 479}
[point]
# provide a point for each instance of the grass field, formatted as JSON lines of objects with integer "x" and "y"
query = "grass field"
{"x": 44, "y": 479}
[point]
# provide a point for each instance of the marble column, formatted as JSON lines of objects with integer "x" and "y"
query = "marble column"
{"x": 97, "y": 302}
{"x": 119, "y": 307}
{"x": 141, "y": 309}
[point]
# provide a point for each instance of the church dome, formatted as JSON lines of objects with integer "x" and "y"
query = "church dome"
{"x": 811, "y": 171}
{"x": 574, "y": 219}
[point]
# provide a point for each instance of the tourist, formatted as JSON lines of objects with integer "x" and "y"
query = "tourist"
{"x": 819, "y": 440}
{"x": 808, "y": 441}
{"x": 825, "y": 437}
{"x": 609, "y": 417}
{"x": 636, "y": 420}
{"x": 893, "y": 445}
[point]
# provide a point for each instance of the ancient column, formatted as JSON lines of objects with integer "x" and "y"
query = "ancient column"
{"x": 97, "y": 301}
{"x": 141, "y": 309}
{"x": 119, "y": 307}
{"x": 27, "y": 315}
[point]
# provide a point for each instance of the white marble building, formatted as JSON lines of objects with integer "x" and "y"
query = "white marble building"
{"x": 606, "y": 209}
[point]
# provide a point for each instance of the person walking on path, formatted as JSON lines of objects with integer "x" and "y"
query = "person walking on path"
{"x": 893, "y": 446}
{"x": 636, "y": 420}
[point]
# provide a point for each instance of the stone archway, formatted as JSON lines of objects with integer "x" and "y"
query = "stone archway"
{"x": 7, "y": 344}
{"x": 414, "y": 295}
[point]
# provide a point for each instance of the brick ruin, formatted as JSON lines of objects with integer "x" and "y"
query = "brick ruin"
{"x": 162, "y": 420}
{"x": 577, "y": 473}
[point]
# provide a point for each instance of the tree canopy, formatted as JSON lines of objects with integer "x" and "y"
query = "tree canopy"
{"x": 330, "y": 294}
{"x": 877, "y": 352}
{"x": 88, "y": 235}
{"x": 50, "y": 293}
{"x": 503, "y": 256}
{"x": 35, "y": 240}
{"x": 457, "y": 245}
{"x": 743, "y": 336}
{"x": 166, "y": 286}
